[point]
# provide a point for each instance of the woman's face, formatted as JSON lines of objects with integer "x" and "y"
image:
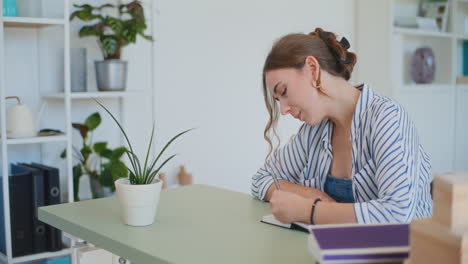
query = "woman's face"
{"x": 293, "y": 89}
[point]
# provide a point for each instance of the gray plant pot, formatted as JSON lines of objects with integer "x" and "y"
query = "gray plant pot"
{"x": 111, "y": 75}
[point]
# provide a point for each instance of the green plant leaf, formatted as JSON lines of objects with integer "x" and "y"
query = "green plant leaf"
{"x": 77, "y": 173}
{"x": 132, "y": 177}
{"x": 147, "y": 37}
{"x": 156, "y": 171}
{"x": 84, "y": 15}
{"x": 118, "y": 152}
{"x": 149, "y": 149}
{"x": 115, "y": 24}
{"x": 49, "y": 130}
{"x": 106, "y": 153}
{"x": 82, "y": 128}
{"x": 166, "y": 146}
{"x": 137, "y": 167}
{"x": 94, "y": 30}
{"x": 117, "y": 122}
{"x": 113, "y": 171}
{"x": 110, "y": 44}
{"x": 86, "y": 151}
{"x": 105, "y": 6}
{"x": 93, "y": 121}
{"x": 99, "y": 146}
{"x": 63, "y": 154}
{"x": 105, "y": 179}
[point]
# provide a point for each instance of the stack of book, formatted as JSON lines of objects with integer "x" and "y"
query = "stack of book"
{"x": 31, "y": 186}
{"x": 444, "y": 237}
{"x": 357, "y": 243}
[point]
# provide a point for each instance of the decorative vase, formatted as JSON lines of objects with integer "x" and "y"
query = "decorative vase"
{"x": 78, "y": 69}
{"x": 96, "y": 188}
{"x": 111, "y": 75}
{"x": 9, "y": 8}
{"x": 138, "y": 203}
{"x": 423, "y": 65}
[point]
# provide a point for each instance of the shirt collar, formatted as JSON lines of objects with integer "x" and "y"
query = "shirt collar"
{"x": 365, "y": 100}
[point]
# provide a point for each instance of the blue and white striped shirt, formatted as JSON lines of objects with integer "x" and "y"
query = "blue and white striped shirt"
{"x": 391, "y": 172}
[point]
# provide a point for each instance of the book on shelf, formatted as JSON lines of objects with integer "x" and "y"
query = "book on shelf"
{"x": 462, "y": 80}
{"x": 30, "y": 186}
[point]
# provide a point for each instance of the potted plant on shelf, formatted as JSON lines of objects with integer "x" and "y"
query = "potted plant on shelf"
{"x": 113, "y": 34}
{"x": 101, "y": 164}
{"x": 139, "y": 193}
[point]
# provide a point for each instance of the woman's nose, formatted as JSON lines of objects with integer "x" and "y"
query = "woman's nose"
{"x": 284, "y": 109}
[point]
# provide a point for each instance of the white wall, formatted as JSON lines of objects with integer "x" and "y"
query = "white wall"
{"x": 208, "y": 60}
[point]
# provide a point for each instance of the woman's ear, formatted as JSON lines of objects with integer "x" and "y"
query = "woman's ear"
{"x": 313, "y": 66}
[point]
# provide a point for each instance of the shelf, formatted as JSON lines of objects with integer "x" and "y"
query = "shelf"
{"x": 44, "y": 255}
{"x": 29, "y": 22}
{"x": 462, "y": 37}
{"x": 34, "y": 140}
{"x": 462, "y": 87}
{"x": 432, "y": 87}
{"x": 421, "y": 33}
{"x": 91, "y": 95}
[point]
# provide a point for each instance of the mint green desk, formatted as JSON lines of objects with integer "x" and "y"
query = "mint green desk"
{"x": 194, "y": 224}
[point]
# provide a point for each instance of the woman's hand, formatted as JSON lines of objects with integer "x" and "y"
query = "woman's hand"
{"x": 289, "y": 207}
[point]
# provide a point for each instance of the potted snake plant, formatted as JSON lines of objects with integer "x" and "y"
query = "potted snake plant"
{"x": 139, "y": 193}
{"x": 113, "y": 34}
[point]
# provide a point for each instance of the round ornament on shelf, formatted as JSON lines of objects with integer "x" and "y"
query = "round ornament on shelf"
{"x": 423, "y": 65}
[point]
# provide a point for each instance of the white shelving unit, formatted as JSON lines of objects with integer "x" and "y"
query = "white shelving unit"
{"x": 33, "y": 28}
{"x": 91, "y": 95}
{"x": 384, "y": 61}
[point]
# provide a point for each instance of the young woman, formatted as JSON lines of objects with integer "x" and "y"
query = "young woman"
{"x": 356, "y": 158}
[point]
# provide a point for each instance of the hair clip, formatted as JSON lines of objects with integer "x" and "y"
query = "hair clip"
{"x": 343, "y": 42}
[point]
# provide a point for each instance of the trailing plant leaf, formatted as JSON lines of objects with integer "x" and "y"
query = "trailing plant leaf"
{"x": 110, "y": 44}
{"x": 63, "y": 154}
{"x": 82, "y": 128}
{"x": 86, "y": 151}
{"x": 106, "y": 153}
{"x": 99, "y": 146}
{"x": 118, "y": 152}
{"x": 93, "y": 121}
{"x": 95, "y": 166}
{"x": 93, "y": 30}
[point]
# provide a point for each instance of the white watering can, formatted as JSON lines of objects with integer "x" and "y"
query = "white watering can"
{"x": 20, "y": 120}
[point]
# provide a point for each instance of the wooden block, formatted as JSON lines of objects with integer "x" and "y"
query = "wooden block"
{"x": 434, "y": 243}
{"x": 451, "y": 200}
{"x": 162, "y": 177}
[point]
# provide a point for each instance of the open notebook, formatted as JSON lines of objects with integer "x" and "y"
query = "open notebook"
{"x": 270, "y": 219}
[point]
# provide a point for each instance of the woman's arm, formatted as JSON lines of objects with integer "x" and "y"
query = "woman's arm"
{"x": 290, "y": 207}
{"x": 304, "y": 191}
{"x": 287, "y": 163}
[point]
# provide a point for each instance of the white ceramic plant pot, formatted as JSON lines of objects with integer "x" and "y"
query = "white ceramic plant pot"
{"x": 138, "y": 203}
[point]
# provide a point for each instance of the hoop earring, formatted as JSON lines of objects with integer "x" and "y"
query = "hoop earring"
{"x": 318, "y": 83}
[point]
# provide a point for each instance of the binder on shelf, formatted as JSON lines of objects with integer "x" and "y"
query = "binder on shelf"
{"x": 52, "y": 196}
{"x": 21, "y": 216}
{"x": 39, "y": 228}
